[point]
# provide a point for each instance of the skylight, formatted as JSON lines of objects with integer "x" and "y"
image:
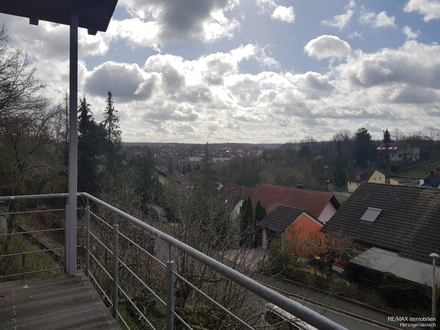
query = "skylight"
{"x": 371, "y": 214}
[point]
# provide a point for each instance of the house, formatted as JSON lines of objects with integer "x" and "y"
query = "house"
{"x": 294, "y": 225}
{"x": 431, "y": 180}
{"x": 398, "y": 152}
{"x": 165, "y": 176}
{"x": 364, "y": 175}
{"x": 398, "y": 225}
{"x": 402, "y": 182}
{"x": 320, "y": 205}
{"x": 235, "y": 195}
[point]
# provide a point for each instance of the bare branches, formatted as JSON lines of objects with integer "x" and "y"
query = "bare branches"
{"x": 19, "y": 87}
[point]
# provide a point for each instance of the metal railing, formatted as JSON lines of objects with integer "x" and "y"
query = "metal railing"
{"x": 135, "y": 267}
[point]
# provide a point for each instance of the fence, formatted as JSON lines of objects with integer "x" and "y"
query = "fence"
{"x": 151, "y": 280}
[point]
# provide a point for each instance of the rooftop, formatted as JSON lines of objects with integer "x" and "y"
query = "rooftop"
{"x": 93, "y": 15}
{"x": 409, "y": 223}
{"x": 281, "y": 218}
{"x": 313, "y": 202}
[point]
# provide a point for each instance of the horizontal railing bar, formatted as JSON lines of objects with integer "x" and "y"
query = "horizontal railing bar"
{"x": 102, "y": 220}
{"x": 137, "y": 309}
{"x": 181, "y": 320}
{"x": 140, "y": 247}
{"x": 42, "y": 196}
{"x": 102, "y": 267}
{"x": 123, "y": 321}
{"x": 100, "y": 288}
{"x": 29, "y": 252}
{"x": 32, "y": 232}
{"x": 143, "y": 283}
{"x": 291, "y": 306}
{"x": 103, "y": 245}
{"x": 213, "y": 301}
{"x": 34, "y": 272}
{"x": 34, "y": 211}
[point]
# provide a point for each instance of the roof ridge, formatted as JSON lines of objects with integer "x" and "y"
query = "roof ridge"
{"x": 295, "y": 188}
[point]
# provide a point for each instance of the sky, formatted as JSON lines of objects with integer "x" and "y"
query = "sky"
{"x": 254, "y": 71}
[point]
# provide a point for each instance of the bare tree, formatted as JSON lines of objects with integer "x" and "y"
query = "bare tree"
{"x": 19, "y": 87}
{"x": 333, "y": 248}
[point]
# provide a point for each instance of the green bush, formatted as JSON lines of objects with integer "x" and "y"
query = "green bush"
{"x": 394, "y": 291}
{"x": 282, "y": 258}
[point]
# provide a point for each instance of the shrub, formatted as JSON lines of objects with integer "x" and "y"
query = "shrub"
{"x": 282, "y": 258}
{"x": 395, "y": 292}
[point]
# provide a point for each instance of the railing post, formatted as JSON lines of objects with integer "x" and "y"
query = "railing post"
{"x": 73, "y": 150}
{"x": 170, "y": 295}
{"x": 87, "y": 240}
{"x": 115, "y": 270}
{"x": 66, "y": 242}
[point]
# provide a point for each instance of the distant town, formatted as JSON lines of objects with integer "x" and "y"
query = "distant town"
{"x": 179, "y": 154}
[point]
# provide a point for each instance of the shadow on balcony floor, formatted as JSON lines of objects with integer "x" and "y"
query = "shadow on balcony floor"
{"x": 56, "y": 302}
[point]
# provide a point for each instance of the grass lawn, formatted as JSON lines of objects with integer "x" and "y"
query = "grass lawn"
{"x": 416, "y": 173}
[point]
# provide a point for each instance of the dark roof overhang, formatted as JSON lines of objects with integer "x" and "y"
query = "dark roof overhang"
{"x": 94, "y": 15}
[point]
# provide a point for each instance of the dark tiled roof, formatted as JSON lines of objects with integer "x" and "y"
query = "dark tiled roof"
{"x": 364, "y": 175}
{"x": 313, "y": 202}
{"x": 391, "y": 147}
{"x": 403, "y": 180}
{"x": 408, "y": 224}
{"x": 280, "y": 218}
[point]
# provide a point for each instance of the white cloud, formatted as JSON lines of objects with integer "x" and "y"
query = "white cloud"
{"x": 128, "y": 82}
{"x": 219, "y": 27}
{"x": 51, "y": 41}
{"x": 429, "y": 8}
{"x": 316, "y": 81}
{"x": 285, "y": 14}
{"x": 327, "y": 46}
{"x": 410, "y": 34}
{"x": 379, "y": 20}
{"x": 352, "y": 4}
{"x": 339, "y": 21}
{"x": 412, "y": 64}
{"x": 356, "y": 34}
{"x": 189, "y": 20}
{"x": 266, "y": 5}
{"x": 383, "y": 20}
{"x": 135, "y": 32}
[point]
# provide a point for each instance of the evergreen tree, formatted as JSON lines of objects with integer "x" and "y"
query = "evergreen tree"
{"x": 246, "y": 223}
{"x": 386, "y": 137}
{"x": 111, "y": 121}
{"x": 363, "y": 146}
{"x": 113, "y": 135}
{"x": 91, "y": 144}
{"x": 260, "y": 214}
{"x": 147, "y": 184}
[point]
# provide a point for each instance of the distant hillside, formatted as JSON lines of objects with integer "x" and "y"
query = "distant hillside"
{"x": 211, "y": 145}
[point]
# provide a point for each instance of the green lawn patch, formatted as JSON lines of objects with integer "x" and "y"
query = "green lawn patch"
{"x": 416, "y": 173}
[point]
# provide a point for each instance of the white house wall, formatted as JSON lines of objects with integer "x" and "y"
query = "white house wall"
{"x": 327, "y": 213}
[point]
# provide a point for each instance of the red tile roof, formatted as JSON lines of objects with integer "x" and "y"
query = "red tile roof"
{"x": 233, "y": 193}
{"x": 313, "y": 202}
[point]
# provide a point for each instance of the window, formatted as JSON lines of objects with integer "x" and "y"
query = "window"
{"x": 371, "y": 214}
{"x": 374, "y": 178}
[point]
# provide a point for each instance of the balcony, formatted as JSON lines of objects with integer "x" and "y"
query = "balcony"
{"x": 145, "y": 277}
